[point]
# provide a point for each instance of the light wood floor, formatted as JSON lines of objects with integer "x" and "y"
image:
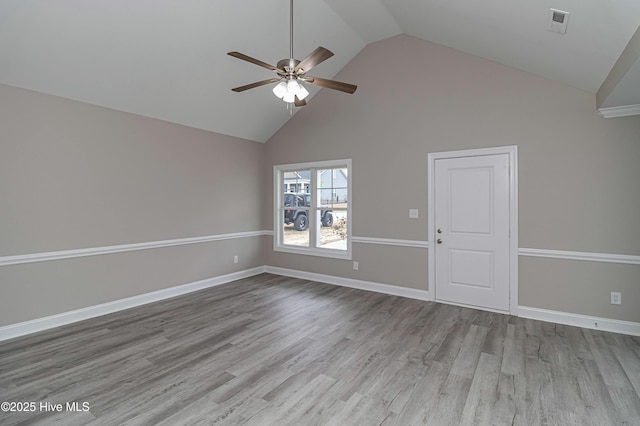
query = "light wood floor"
{"x": 271, "y": 350}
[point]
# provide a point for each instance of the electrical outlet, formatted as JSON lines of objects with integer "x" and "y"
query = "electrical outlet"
{"x": 616, "y": 298}
{"x": 414, "y": 213}
{"x": 356, "y": 265}
{"x": 235, "y": 259}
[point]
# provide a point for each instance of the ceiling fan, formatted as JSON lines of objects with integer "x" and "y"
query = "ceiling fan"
{"x": 292, "y": 71}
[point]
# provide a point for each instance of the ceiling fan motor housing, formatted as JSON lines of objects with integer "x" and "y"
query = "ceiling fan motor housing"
{"x": 288, "y": 65}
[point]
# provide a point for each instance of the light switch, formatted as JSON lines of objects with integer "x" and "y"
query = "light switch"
{"x": 414, "y": 213}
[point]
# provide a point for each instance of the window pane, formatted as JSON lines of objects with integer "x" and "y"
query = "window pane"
{"x": 332, "y": 187}
{"x": 333, "y": 232}
{"x": 341, "y": 198}
{"x": 296, "y": 182}
{"x": 326, "y": 198}
{"x": 294, "y": 200}
{"x": 296, "y": 233}
{"x": 295, "y": 211}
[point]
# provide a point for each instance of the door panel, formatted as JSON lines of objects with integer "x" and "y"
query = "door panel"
{"x": 472, "y": 237}
{"x": 470, "y": 190}
{"x": 472, "y": 268}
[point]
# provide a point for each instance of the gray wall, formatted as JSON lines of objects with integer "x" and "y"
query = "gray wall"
{"x": 578, "y": 183}
{"x": 76, "y": 176}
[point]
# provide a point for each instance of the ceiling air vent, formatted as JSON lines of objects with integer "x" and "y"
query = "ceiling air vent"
{"x": 558, "y": 21}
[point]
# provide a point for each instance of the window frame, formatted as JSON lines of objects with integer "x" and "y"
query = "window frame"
{"x": 314, "y": 222}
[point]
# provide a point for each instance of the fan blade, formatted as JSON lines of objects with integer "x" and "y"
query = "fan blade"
{"x": 331, "y": 84}
{"x": 256, "y": 84}
{"x": 300, "y": 103}
{"x": 254, "y": 61}
{"x": 314, "y": 58}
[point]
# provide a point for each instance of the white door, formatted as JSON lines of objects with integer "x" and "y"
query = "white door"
{"x": 472, "y": 230}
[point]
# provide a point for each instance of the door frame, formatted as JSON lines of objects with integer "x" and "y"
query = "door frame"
{"x": 512, "y": 152}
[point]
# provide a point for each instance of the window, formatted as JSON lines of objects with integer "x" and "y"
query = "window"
{"x": 312, "y": 212}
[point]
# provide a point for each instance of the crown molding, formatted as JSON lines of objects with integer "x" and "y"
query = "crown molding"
{"x": 620, "y": 111}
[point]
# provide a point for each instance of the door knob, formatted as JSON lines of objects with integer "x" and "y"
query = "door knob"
{"x": 439, "y": 241}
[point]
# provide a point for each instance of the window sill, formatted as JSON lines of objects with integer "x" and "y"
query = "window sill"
{"x": 309, "y": 251}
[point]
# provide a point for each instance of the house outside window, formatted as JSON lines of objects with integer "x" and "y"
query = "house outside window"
{"x": 312, "y": 213}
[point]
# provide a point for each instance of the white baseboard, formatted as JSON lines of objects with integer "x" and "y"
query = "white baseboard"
{"x": 566, "y": 318}
{"x": 394, "y": 290}
{"x": 45, "y": 323}
{"x": 577, "y": 320}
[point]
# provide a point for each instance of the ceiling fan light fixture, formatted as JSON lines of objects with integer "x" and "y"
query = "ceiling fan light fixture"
{"x": 292, "y": 90}
{"x": 300, "y": 91}
{"x": 289, "y": 98}
{"x": 287, "y": 91}
{"x": 280, "y": 90}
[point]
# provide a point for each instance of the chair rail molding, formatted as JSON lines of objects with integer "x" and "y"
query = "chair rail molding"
{"x": 580, "y": 255}
{"x": 95, "y": 251}
{"x": 390, "y": 242}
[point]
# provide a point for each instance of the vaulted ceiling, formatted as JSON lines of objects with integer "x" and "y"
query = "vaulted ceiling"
{"x": 167, "y": 58}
